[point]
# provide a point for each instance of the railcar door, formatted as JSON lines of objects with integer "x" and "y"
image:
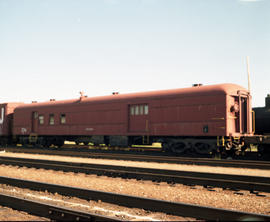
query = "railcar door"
{"x": 34, "y": 121}
{"x": 241, "y": 113}
{"x": 244, "y": 116}
{"x": 138, "y": 118}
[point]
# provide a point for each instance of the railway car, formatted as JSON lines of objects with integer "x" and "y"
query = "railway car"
{"x": 262, "y": 118}
{"x": 198, "y": 119}
{"x": 6, "y": 121}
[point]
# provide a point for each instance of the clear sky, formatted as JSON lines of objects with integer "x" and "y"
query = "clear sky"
{"x": 56, "y": 48}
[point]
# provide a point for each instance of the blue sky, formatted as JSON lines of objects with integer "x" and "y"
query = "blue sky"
{"x": 56, "y": 48}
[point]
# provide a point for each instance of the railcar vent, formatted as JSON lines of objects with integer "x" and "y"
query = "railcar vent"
{"x": 115, "y": 93}
{"x": 51, "y": 100}
{"x": 197, "y": 84}
{"x": 34, "y": 101}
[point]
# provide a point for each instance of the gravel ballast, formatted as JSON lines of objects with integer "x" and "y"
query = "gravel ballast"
{"x": 99, "y": 207}
{"x": 177, "y": 193}
{"x": 8, "y": 214}
{"x": 169, "y": 166}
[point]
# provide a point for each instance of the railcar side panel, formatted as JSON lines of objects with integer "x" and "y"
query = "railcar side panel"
{"x": 84, "y": 119}
{"x": 192, "y": 116}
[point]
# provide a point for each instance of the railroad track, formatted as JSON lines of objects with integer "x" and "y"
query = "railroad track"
{"x": 174, "y": 208}
{"x": 50, "y": 211}
{"x": 251, "y": 183}
{"x": 251, "y": 164}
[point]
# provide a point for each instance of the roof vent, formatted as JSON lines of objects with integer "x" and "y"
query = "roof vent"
{"x": 115, "y": 93}
{"x": 197, "y": 84}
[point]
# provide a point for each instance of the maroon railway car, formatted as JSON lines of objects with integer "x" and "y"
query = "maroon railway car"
{"x": 6, "y": 117}
{"x": 190, "y": 119}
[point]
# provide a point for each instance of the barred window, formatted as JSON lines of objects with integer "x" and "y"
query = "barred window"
{"x": 141, "y": 109}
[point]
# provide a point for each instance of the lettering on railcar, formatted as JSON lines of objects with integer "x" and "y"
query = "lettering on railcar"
{"x": 23, "y": 130}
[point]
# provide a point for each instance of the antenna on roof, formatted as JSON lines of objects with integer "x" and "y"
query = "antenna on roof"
{"x": 82, "y": 96}
{"x": 81, "y": 93}
{"x": 248, "y": 72}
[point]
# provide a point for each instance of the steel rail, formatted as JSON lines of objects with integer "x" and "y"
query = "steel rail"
{"x": 251, "y": 164}
{"x": 251, "y": 183}
{"x": 174, "y": 208}
{"x": 50, "y": 211}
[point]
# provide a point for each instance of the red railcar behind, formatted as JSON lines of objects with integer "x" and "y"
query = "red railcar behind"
{"x": 181, "y": 119}
{"x": 6, "y": 118}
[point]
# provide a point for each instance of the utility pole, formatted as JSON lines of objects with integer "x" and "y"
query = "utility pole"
{"x": 248, "y": 72}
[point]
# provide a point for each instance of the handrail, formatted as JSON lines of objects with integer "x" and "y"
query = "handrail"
{"x": 253, "y": 121}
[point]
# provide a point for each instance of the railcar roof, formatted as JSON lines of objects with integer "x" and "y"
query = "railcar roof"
{"x": 226, "y": 88}
{"x": 11, "y": 104}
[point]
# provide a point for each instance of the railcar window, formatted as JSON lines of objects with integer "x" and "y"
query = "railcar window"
{"x": 136, "y": 110}
{"x": 51, "y": 119}
{"x": 35, "y": 114}
{"x": 145, "y": 109}
{"x": 141, "y": 109}
{"x": 41, "y": 119}
{"x": 63, "y": 118}
{"x": 131, "y": 110}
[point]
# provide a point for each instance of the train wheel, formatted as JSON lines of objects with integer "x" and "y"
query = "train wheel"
{"x": 202, "y": 148}
{"x": 59, "y": 142}
{"x": 3, "y": 142}
{"x": 46, "y": 142}
{"x": 166, "y": 147}
{"x": 216, "y": 155}
{"x": 178, "y": 147}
